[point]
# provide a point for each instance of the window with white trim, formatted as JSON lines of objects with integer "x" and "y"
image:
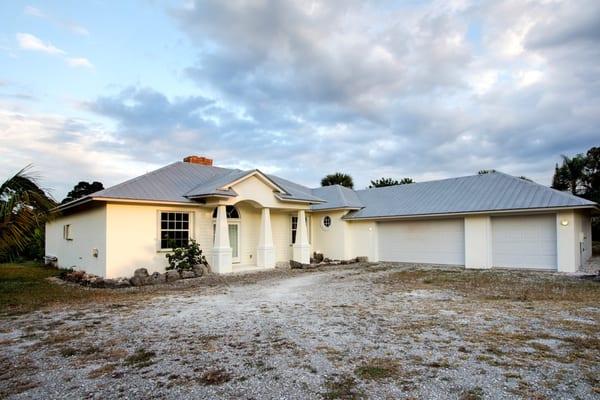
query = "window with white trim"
{"x": 174, "y": 229}
{"x": 326, "y": 222}
{"x": 294, "y": 228}
{"x": 67, "y": 232}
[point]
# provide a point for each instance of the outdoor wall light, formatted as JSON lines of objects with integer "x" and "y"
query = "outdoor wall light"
{"x": 564, "y": 222}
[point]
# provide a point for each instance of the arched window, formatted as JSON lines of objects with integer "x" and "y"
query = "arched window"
{"x": 230, "y": 211}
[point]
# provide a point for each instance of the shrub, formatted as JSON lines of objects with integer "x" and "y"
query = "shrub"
{"x": 185, "y": 258}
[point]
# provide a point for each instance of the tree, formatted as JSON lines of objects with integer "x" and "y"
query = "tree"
{"x": 558, "y": 180}
{"x": 592, "y": 174}
{"x": 486, "y": 171}
{"x": 573, "y": 172}
{"x": 406, "y": 181}
{"x": 338, "y": 179}
{"x": 82, "y": 189}
{"x": 382, "y": 182}
{"x": 24, "y": 208}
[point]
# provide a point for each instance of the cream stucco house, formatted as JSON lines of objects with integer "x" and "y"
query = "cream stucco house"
{"x": 247, "y": 220}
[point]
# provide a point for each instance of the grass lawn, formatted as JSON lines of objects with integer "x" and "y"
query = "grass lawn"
{"x": 24, "y": 288}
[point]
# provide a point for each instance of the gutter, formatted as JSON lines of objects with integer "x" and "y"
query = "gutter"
{"x": 465, "y": 213}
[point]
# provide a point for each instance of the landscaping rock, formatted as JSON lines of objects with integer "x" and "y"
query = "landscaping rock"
{"x": 157, "y": 278}
{"x": 141, "y": 272}
{"x": 200, "y": 270}
{"x": 109, "y": 283}
{"x": 187, "y": 274}
{"x": 96, "y": 281}
{"x": 172, "y": 276}
{"x": 122, "y": 283}
{"x": 298, "y": 265}
{"x": 140, "y": 280}
{"x": 317, "y": 257}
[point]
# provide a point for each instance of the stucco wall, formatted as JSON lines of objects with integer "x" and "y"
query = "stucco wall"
{"x": 478, "y": 241}
{"x": 361, "y": 240}
{"x": 133, "y": 239}
{"x": 88, "y": 231}
{"x": 331, "y": 242}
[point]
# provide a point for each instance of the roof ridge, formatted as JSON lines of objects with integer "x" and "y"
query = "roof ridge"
{"x": 534, "y": 183}
{"x": 419, "y": 183}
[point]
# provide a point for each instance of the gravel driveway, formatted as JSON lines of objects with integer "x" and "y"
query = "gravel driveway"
{"x": 377, "y": 331}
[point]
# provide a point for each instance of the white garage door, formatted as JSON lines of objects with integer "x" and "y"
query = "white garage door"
{"x": 436, "y": 241}
{"x": 524, "y": 242}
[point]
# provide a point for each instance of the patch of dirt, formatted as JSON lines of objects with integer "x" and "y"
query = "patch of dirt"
{"x": 356, "y": 331}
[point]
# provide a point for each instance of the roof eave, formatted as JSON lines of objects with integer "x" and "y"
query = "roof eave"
{"x": 298, "y": 200}
{"x": 462, "y": 213}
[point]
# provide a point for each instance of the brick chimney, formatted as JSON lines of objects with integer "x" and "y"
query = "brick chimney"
{"x": 198, "y": 160}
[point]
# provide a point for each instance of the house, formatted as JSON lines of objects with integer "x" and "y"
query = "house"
{"x": 250, "y": 220}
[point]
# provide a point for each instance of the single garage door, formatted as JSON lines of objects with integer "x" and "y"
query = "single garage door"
{"x": 434, "y": 241}
{"x": 524, "y": 242}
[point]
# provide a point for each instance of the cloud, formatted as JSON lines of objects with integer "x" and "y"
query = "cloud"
{"x": 420, "y": 89}
{"x": 408, "y": 89}
{"x": 63, "y": 151}
{"x": 28, "y": 41}
{"x": 73, "y": 27}
{"x": 79, "y": 62}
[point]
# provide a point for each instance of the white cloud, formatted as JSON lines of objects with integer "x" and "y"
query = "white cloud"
{"x": 63, "y": 151}
{"x": 34, "y": 11}
{"x": 79, "y": 62}
{"x": 66, "y": 24}
{"x": 28, "y": 41}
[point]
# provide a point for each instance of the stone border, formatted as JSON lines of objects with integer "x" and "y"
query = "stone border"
{"x": 140, "y": 278}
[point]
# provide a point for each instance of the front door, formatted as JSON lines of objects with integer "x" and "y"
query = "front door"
{"x": 234, "y": 241}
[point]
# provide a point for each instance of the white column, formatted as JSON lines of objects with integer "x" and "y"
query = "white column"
{"x": 478, "y": 241}
{"x": 221, "y": 249}
{"x": 567, "y": 242}
{"x": 301, "y": 249}
{"x": 265, "y": 252}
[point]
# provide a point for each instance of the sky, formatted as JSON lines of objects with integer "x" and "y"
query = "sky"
{"x": 106, "y": 91}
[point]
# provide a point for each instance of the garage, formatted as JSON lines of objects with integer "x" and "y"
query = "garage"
{"x": 439, "y": 241}
{"x": 524, "y": 242}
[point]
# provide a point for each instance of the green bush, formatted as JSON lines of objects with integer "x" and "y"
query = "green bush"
{"x": 187, "y": 257}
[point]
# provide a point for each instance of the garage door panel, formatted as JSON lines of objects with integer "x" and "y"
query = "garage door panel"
{"x": 435, "y": 242}
{"x": 524, "y": 242}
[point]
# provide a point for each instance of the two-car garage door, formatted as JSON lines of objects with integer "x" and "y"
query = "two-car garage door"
{"x": 517, "y": 242}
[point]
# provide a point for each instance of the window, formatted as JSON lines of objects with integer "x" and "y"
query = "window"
{"x": 174, "y": 229}
{"x": 67, "y": 232}
{"x": 326, "y": 221}
{"x": 294, "y": 226}
{"x": 230, "y": 211}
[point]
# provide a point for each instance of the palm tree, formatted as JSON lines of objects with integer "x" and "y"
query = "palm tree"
{"x": 573, "y": 170}
{"x": 338, "y": 179}
{"x": 24, "y": 207}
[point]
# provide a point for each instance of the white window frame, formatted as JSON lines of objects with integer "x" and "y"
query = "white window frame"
{"x": 191, "y": 216}
{"x": 325, "y": 227}
{"x": 308, "y": 228}
{"x": 67, "y": 232}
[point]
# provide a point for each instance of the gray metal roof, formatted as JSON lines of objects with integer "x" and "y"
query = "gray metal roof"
{"x": 488, "y": 192}
{"x": 336, "y": 196}
{"x": 296, "y": 192}
{"x": 179, "y": 181}
{"x": 496, "y": 191}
